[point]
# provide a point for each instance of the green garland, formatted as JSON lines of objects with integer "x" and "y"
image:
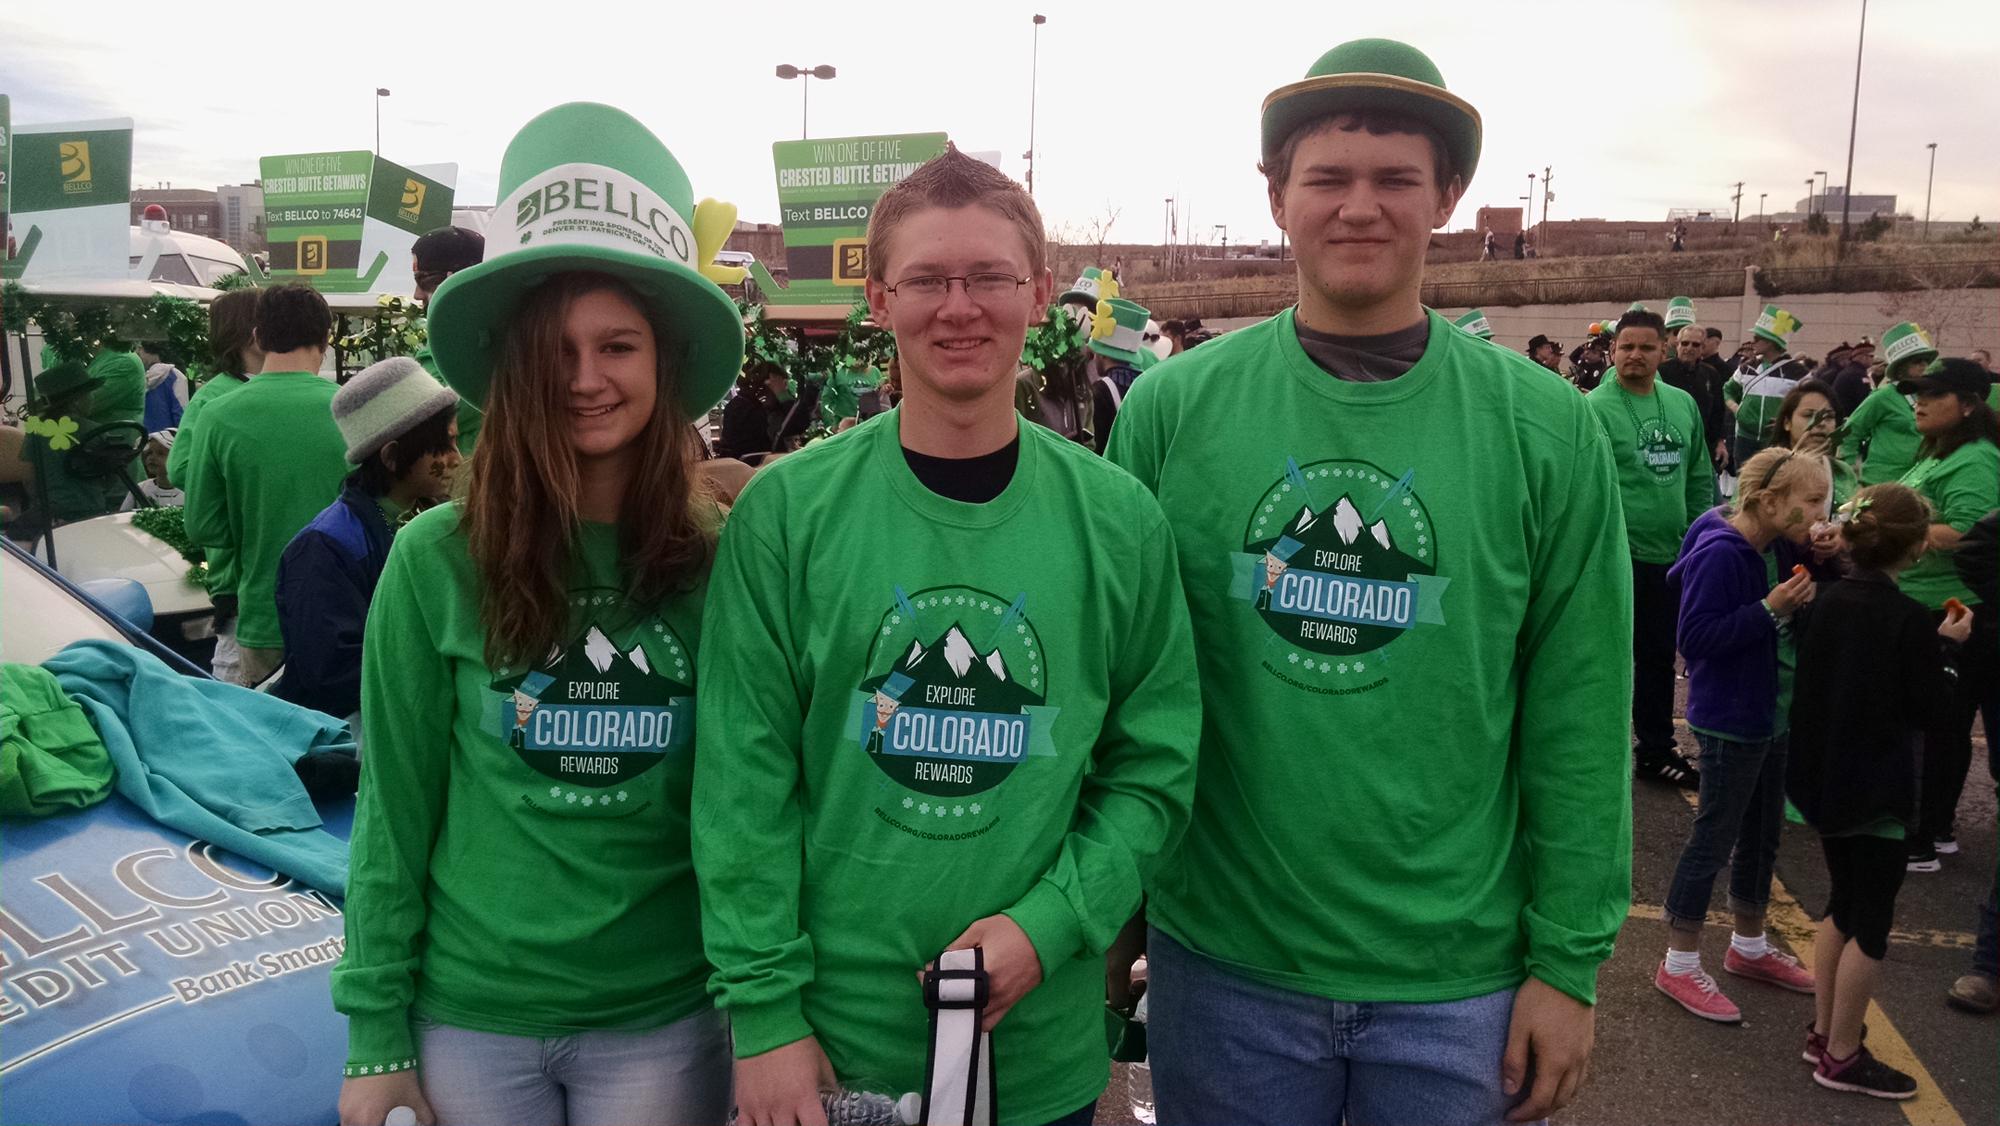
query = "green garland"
{"x": 167, "y": 524}
{"x": 78, "y": 330}
{"x": 396, "y": 328}
{"x": 847, "y": 365}
{"x": 1051, "y": 342}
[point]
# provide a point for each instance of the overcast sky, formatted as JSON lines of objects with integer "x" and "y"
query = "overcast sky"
{"x": 1640, "y": 105}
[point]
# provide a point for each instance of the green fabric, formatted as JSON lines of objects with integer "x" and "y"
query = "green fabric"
{"x": 51, "y": 759}
{"x": 836, "y": 858}
{"x": 1846, "y": 482}
{"x": 1886, "y": 827}
{"x": 508, "y": 876}
{"x": 70, "y": 497}
{"x": 1350, "y": 80}
{"x": 1961, "y": 489}
{"x": 1788, "y": 657}
{"x": 268, "y": 458}
{"x": 1663, "y": 477}
{"x": 470, "y": 416}
{"x": 1759, "y": 398}
{"x": 221, "y": 561}
{"x": 1887, "y": 423}
{"x": 1435, "y": 802}
{"x": 122, "y": 398}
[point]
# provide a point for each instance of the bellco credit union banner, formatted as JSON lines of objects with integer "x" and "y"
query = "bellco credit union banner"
{"x": 345, "y": 221}
{"x": 71, "y": 188}
{"x": 826, "y": 191}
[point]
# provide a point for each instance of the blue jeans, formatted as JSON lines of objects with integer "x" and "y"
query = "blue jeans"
{"x": 679, "y": 1073}
{"x": 1738, "y": 822}
{"x": 1229, "y": 1051}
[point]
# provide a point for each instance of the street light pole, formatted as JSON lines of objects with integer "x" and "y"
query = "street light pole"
{"x": 1224, "y": 228}
{"x": 1810, "y": 209}
{"x": 1928, "y": 181}
{"x": 1034, "y": 87}
{"x": 821, "y": 72}
{"x": 1822, "y": 188}
{"x": 380, "y": 93}
{"x": 1760, "y": 207}
{"x": 1854, "y": 119}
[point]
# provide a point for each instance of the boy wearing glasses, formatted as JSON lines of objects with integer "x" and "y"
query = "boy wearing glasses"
{"x": 948, "y": 700}
{"x": 1412, "y": 830}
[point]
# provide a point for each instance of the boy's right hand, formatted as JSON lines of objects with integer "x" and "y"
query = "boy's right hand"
{"x": 1791, "y": 594}
{"x": 366, "y": 1100}
{"x": 1957, "y": 624}
{"x": 781, "y": 1087}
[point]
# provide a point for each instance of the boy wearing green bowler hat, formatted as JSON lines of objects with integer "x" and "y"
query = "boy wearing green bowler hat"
{"x": 1412, "y": 830}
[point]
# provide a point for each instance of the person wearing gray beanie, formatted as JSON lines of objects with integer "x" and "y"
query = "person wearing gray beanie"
{"x": 401, "y": 429}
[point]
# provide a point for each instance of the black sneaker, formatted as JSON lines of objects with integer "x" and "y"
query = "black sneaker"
{"x": 1667, "y": 767}
{"x": 1923, "y": 858}
{"x": 1863, "y": 1074}
{"x": 1947, "y": 845}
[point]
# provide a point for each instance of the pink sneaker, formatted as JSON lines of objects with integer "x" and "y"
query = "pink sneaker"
{"x": 1698, "y": 994}
{"x": 1781, "y": 970}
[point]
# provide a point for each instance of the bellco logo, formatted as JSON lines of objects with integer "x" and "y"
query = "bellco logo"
{"x": 583, "y": 193}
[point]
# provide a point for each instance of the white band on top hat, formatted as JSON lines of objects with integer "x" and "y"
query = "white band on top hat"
{"x": 592, "y": 205}
{"x": 1908, "y": 346}
{"x": 1126, "y": 338}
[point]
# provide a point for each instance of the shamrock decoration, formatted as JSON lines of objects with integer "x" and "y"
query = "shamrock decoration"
{"x": 61, "y": 432}
{"x": 1103, "y": 323}
{"x": 713, "y": 221}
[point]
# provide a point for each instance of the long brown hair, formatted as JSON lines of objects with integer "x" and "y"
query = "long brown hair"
{"x": 521, "y": 511}
{"x": 231, "y": 317}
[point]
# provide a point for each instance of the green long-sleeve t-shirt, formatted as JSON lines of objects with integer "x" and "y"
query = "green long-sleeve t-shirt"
{"x": 1412, "y": 608}
{"x": 267, "y": 459}
{"x": 520, "y": 851}
{"x": 220, "y": 561}
{"x": 1962, "y": 486}
{"x": 1888, "y": 423}
{"x": 1664, "y": 481}
{"x": 916, "y": 713}
{"x": 122, "y": 396}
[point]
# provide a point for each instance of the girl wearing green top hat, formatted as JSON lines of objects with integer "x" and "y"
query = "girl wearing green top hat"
{"x": 523, "y": 937}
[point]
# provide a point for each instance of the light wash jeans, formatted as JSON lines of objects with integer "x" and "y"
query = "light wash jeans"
{"x": 1228, "y": 1050}
{"x": 676, "y": 1074}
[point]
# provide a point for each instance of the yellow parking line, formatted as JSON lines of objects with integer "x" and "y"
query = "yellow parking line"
{"x": 1789, "y": 921}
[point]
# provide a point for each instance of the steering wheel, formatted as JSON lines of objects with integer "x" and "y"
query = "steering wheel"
{"x": 105, "y": 450}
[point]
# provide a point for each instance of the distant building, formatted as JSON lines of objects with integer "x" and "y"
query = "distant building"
{"x": 242, "y": 216}
{"x": 192, "y": 210}
{"x": 1504, "y": 222}
{"x": 1830, "y": 203}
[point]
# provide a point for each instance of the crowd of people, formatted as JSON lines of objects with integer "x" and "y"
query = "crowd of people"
{"x": 1313, "y": 663}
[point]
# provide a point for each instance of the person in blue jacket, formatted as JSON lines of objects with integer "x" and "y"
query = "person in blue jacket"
{"x": 401, "y": 429}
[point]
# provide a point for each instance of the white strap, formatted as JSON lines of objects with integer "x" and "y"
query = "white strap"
{"x": 958, "y": 1080}
{"x": 1117, "y": 396}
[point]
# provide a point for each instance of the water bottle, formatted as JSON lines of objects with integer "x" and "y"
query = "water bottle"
{"x": 1139, "y": 1076}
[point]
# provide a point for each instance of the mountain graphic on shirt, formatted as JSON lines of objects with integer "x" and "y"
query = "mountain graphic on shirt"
{"x": 1340, "y": 528}
{"x": 952, "y": 661}
{"x": 595, "y": 659}
{"x": 1369, "y": 551}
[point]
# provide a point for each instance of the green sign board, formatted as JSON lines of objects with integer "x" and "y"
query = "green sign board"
{"x": 69, "y": 191}
{"x": 6, "y": 229}
{"x": 826, "y": 191}
{"x": 340, "y": 219}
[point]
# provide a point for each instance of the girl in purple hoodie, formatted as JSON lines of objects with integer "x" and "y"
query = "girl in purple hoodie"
{"x": 1741, "y": 576}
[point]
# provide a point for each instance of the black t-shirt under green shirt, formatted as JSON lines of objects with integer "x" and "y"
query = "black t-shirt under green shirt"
{"x": 1367, "y": 359}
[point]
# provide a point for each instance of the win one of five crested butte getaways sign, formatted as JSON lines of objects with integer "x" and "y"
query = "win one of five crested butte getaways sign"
{"x": 341, "y": 219}
{"x": 826, "y": 191}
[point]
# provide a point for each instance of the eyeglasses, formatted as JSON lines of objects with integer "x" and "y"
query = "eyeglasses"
{"x": 981, "y": 287}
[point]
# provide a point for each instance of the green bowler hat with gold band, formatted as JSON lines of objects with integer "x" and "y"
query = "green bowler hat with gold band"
{"x": 586, "y": 187}
{"x": 1474, "y": 321}
{"x": 1379, "y": 74}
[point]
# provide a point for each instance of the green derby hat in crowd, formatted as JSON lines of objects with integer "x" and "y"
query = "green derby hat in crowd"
{"x": 1904, "y": 342}
{"x": 1776, "y": 326}
{"x": 1378, "y": 74}
{"x": 1474, "y": 321}
{"x": 585, "y": 187}
{"x": 1680, "y": 312}
{"x": 1119, "y": 330}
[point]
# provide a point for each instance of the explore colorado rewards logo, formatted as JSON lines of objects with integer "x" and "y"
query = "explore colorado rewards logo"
{"x": 954, "y": 701}
{"x": 602, "y": 710}
{"x": 1339, "y": 560}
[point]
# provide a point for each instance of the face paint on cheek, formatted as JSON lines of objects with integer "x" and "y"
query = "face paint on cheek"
{"x": 1797, "y": 517}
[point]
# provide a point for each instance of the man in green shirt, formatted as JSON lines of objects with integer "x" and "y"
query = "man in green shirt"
{"x": 268, "y": 458}
{"x": 948, "y": 701}
{"x": 1409, "y": 583}
{"x": 1657, "y": 445}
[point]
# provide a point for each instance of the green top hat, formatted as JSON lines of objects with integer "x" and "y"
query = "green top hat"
{"x": 1905, "y": 342}
{"x": 64, "y": 382}
{"x": 1090, "y": 287}
{"x": 1776, "y": 326}
{"x": 587, "y": 187}
{"x": 1375, "y": 74}
{"x": 1680, "y": 312}
{"x": 1637, "y": 307}
{"x": 1474, "y": 321}
{"x": 1119, "y": 330}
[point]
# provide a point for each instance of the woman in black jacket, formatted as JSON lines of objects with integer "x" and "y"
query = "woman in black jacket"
{"x": 1873, "y": 672}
